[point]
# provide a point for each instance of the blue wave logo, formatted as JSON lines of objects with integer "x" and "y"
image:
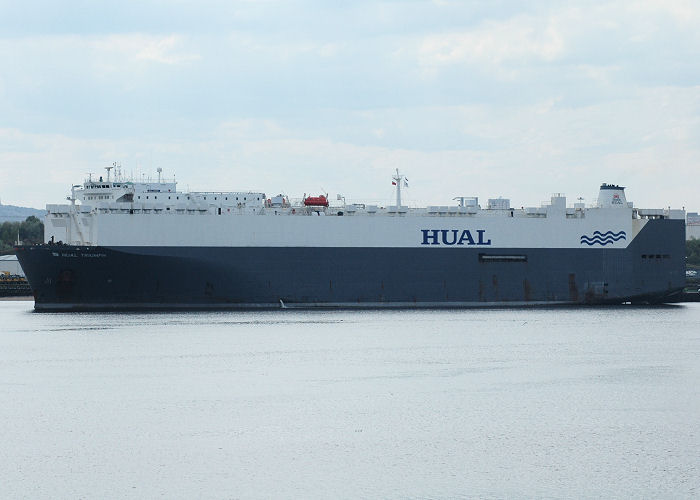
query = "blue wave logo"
{"x": 603, "y": 239}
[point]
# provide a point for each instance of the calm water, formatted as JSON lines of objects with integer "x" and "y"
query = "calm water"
{"x": 440, "y": 404}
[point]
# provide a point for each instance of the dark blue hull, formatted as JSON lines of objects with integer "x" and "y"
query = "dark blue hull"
{"x": 650, "y": 270}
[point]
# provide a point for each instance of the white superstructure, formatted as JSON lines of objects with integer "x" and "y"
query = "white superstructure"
{"x": 116, "y": 212}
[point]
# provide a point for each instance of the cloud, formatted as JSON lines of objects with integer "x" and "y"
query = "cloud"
{"x": 469, "y": 98}
{"x": 519, "y": 39}
{"x": 164, "y": 50}
{"x": 648, "y": 141}
{"x": 684, "y": 12}
{"x": 120, "y": 52}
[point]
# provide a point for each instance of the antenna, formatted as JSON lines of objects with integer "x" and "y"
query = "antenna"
{"x": 159, "y": 170}
{"x": 108, "y": 169}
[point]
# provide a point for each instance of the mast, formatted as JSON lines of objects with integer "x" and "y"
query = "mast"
{"x": 72, "y": 194}
{"x": 398, "y": 179}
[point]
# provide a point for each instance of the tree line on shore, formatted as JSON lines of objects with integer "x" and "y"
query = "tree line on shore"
{"x": 692, "y": 251}
{"x": 31, "y": 231}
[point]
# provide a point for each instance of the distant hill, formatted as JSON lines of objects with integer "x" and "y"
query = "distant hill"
{"x": 11, "y": 213}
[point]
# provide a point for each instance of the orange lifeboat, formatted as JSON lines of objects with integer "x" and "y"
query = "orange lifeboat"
{"x": 316, "y": 201}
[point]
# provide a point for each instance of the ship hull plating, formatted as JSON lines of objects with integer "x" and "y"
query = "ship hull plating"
{"x": 63, "y": 277}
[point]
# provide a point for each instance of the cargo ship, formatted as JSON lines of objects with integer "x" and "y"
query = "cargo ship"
{"x": 125, "y": 245}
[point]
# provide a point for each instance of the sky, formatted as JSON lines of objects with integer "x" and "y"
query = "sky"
{"x": 466, "y": 98}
